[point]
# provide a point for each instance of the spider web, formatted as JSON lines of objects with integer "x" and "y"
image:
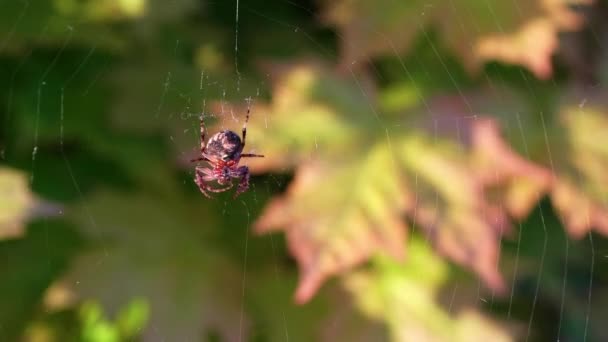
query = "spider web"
{"x": 175, "y": 99}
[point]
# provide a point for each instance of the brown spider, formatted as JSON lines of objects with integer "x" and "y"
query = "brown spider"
{"x": 223, "y": 152}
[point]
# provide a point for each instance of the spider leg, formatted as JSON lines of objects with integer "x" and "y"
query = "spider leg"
{"x": 209, "y": 178}
{"x": 204, "y": 171}
{"x": 208, "y": 188}
{"x": 203, "y": 132}
{"x": 249, "y": 155}
{"x": 242, "y": 173}
{"x": 199, "y": 159}
{"x": 204, "y": 175}
{"x": 245, "y": 127}
{"x": 202, "y": 186}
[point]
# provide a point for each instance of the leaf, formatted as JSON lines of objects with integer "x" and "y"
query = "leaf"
{"x": 301, "y": 91}
{"x": 347, "y": 322}
{"x": 132, "y": 319}
{"x": 580, "y": 193}
{"x": 128, "y": 324}
{"x": 53, "y": 99}
{"x": 453, "y": 210}
{"x": 53, "y": 23}
{"x": 347, "y": 204}
{"x": 103, "y": 10}
{"x": 28, "y": 266}
{"x": 531, "y": 46}
{"x": 405, "y": 297}
{"x": 522, "y": 182}
{"x": 16, "y": 202}
{"x": 521, "y": 32}
{"x": 348, "y": 226}
{"x": 151, "y": 240}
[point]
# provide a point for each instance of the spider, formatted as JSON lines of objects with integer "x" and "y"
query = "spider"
{"x": 223, "y": 152}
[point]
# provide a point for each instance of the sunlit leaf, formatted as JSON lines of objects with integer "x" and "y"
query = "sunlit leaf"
{"x": 405, "y": 297}
{"x": 102, "y": 10}
{"x": 95, "y": 327}
{"x": 531, "y": 46}
{"x": 98, "y": 328}
{"x": 580, "y": 193}
{"x": 402, "y": 169}
{"x": 329, "y": 231}
{"x": 132, "y": 319}
{"x": 518, "y": 32}
{"x": 56, "y": 22}
{"x": 303, "y": 119}
{"x": 16, "y": 201}
{"x": 346, "y": 205}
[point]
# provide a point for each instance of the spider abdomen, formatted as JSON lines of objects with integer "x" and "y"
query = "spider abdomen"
{"x": 224, "y": 145}
{"x": 223, "y": 153}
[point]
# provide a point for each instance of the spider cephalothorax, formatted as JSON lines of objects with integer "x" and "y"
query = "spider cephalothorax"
{"x": 223, "y": 152}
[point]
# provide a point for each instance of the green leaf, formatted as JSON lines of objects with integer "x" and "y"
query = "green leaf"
{"x": 132, "y": 319}
{"x": 97, "y": 328}
{"x": 151, "y": 240}
{"x": 55, "y": 23}
{"x": 28, "y": 266}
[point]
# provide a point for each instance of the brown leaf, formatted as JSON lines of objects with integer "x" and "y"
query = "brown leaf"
{"x": 338, "y": 216}
{"x": 498, "y": 165}
{"x": 578, "y": 212}
{"x": 531, "y": 46}
{"x": 517, "y": 32}
{"x": 350, "y": 200}
{"x": 453, "y": 211}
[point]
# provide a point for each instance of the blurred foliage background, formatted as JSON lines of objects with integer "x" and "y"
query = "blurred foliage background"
{"x": 435, "y": 170}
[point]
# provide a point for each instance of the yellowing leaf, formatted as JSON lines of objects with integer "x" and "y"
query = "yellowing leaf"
{"x": 405, "y": 297}
{"x": 522, "y": 182}
{"x": 347, "y": 204}
{"x": 452, "y": 209}
{"x": 580, "y": 193}
{"x": 16, "y": 200}
{"x": 303, "y": 118}
{"x": 532, "y": 46}
{"x": 339, "y": 216}
{"x": 102, "y": 10}
{"x": 518, "y": 32}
